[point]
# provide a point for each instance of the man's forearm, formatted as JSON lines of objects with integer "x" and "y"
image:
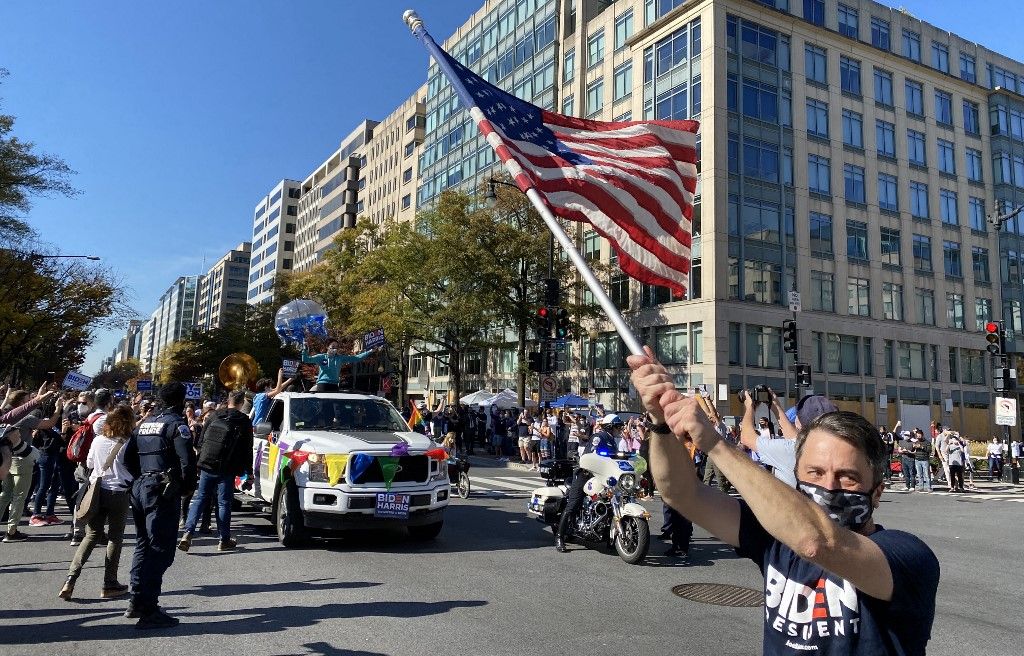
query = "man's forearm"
{"x": 786, "y": 427}
{"x": 748, "y": 434}
{"x": 784, "y": 512}
{"x": 673, "y": 471}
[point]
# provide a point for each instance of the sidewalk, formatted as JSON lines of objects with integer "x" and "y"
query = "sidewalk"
{"x": 480, "y": 459}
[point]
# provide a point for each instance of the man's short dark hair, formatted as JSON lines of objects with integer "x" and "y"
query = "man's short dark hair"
{"x": 236, "y": 397}
{"x": 854, "y": 430}
{"x": 104, "y": 398}
{"x": 263, "y": 384}
{"x": 173, "y": 394}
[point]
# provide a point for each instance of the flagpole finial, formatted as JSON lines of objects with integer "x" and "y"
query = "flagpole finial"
{"x": 412, "y": 19}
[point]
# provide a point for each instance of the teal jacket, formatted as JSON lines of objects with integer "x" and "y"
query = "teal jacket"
{"x": 330, "y": 367}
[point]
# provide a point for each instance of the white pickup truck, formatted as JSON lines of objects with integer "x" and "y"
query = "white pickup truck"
{"x": 303, "y": 501}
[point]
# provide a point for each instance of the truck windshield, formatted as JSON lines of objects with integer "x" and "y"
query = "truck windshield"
{"x": 325, "y": 413}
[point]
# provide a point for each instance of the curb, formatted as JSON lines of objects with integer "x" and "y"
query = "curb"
{"x": 488, "y": 461}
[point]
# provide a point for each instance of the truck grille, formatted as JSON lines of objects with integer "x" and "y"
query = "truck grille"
{"x": 412, "y": 469}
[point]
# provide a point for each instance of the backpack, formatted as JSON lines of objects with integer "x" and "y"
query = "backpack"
{"x": 81, "y": 441}
{"x": 220, "y": 437}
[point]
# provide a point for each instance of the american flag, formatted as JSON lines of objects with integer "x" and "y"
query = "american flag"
{"x": 632, "y": 181}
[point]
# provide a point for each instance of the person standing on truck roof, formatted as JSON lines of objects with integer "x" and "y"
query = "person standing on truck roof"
{"x": 330, "y": 363}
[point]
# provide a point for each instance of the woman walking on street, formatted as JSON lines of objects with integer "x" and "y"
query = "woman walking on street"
{"x": 110, "y": 502}
{"x": 995, "y": 460}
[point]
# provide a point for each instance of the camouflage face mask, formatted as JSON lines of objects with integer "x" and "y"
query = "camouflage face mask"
{"x": 847, "y": 508}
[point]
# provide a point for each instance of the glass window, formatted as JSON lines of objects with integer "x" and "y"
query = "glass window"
{"x": 883, "y": 87}
{"x": 857, "y": 240}
{"x": 887, "y": 355}
{"x": 853, "y": 179}
{"x": 672, "y": 344}
{"x": 976, "y": 213}
{"x": 912, "y": 45}
{"x": 760, "y": 100}
{"x": 822, "y": 291}
{"x": 764, "y": 347}
{"x": 919, "y": 200}
{"x": 951, "y": 260}
{"x": 967, "y": 68}
{"x": 734, "y": 343}
{"x": 922, "y": 253}
{"x": 925, "y": 301}
{"x": 971, "y": 123}
{"x": 853, "y": 129}
{"x": 948, "y": 206}
{"x": 842, "y": 354}
{"x": 1010, "y": 268}
{"x": 569, "y": 66}
{"x": 947, "y": 158}
{"x": 892, "y": 301}
{"x": 848, "y": 21}
{"x": 849, "y": 75}
{"x": 816, "y": 64}
{"x": 890, "y": 246}
{"x": 982, "y": 312}
{"x": 821, "y": 234}
{"x": 940, "y": 57}
{"x": 569, "y": 105}
{"x": 817, "y": 118}
{"x": 888, "y": 197}
{"x": 885, "y": 138}
{"x": 911, "y": 360}
{"x": 623, "y": 80}
{"x": 915, "y": 147}
{"x": 623, "y": 28}
{"x": 973, "y": 158}
{"x": 858, "y": 297}
{"x": 595, "y": 97}
{"x": 914, "y": 97}
{"x": 761, "y": 160}
{"x": 595, "y": 49}
{"x": 973, "y": 366}
{"x": 979, "y": 263}
{"x": 880, "y": 32}
{"x": 943, "y": 108}
{"x": 814, "y": 11}
{"x": 954, "y": 376}
{"x": 819, "y": 174}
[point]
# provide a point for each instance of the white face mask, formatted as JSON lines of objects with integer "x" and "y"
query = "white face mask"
{"x": 83, "y": 409}
{"x": 332, "y": 351}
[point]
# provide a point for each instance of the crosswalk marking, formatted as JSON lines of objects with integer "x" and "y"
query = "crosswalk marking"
{"x": 508, "y": 483}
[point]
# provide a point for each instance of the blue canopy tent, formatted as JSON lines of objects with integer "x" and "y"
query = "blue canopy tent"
{"x": 570, "y": 401}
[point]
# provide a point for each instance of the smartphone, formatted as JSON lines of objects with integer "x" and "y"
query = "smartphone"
{"x": 51, "y": 377}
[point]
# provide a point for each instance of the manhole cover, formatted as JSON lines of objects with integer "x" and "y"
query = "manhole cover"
{"x": 720, "y": 594}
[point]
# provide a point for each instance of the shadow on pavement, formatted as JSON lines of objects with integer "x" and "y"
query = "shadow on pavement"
{"x": 232, "y": 589}
{"x": 87, "y": 628}
{"x": 324, "y": 649}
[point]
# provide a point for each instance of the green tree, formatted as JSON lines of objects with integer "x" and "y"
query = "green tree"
{"x": 25, "y": 173}
{"x": 118, "y": 375}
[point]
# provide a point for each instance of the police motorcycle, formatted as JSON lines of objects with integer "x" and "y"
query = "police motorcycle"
{"x": 610, "y": 512}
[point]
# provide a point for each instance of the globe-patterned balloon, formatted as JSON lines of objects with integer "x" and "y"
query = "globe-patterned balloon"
{"x": 299, "y": 319}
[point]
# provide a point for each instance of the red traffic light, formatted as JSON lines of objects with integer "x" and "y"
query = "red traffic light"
{"x": 992, "y": 327}
{"x": 543, "y": 313}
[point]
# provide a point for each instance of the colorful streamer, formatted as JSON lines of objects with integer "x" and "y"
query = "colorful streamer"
{"x": 389, "y": 467}
{"x": 400, "y": 449}
{"x": 437, "y": 454}
{"x": 335, "y": 467}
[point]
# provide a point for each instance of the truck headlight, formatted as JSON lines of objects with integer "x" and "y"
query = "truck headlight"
{"x": 441, "y": 474}
{"x": 316, "y": 471}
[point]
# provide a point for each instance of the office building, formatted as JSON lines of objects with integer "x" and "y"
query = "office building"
{"x": 223, "y": 288}
{"x": 172, "y": 321}
{"x": 386, "y": 189}
{"x": 275, "y": 219}
{"x": 128, "y": 346}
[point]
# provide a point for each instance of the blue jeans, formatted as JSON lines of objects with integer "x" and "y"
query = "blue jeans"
{"x": 924, "y": 474}
{"x": 223, "y": 486}
{"x": 907, "y": 466}
{"x": 54, "y": 465}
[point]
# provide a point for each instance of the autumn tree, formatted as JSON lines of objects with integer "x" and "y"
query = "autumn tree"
{"x": 118, "y": 375}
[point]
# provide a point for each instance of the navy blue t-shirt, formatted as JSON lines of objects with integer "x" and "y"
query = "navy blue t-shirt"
{"x": 811, "y": 610}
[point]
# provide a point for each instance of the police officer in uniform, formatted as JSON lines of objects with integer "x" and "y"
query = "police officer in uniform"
{"x": 161, "y": 458}
{"x": 604, "y": 439}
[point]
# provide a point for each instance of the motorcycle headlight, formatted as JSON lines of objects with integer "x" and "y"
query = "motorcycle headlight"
{"x": 627, "y": 482}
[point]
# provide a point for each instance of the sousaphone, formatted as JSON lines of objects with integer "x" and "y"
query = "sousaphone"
{"x": 238, "y": 371}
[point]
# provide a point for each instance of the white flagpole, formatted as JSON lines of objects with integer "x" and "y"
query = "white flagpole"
{"x": 632, "y": 343}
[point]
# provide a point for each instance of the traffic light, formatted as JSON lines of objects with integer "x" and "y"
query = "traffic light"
{"x": 552, "y": 291}
{"x": 789, "y": 344}
{"x": 1003, "y": 379}
{"x": 561, "y": 323}
{"x": 534, "y": 360}
{"x": 542, "y": 322}
{"x": 550, "y": 361}
{"x": 995, "y": 337}
{"x": 803, "y": 375}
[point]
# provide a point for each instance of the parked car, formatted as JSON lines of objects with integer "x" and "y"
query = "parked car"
{"x": 343, "y": 432}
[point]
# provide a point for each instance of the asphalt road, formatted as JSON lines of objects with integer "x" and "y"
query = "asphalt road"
{"x": 490, "y": 585}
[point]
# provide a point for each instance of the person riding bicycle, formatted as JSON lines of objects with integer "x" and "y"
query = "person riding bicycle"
{"x": 604, "y": 441}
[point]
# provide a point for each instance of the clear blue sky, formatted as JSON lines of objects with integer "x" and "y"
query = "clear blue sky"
{"x": 179, "y": 116}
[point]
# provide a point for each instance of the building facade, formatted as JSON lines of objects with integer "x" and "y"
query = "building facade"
{"x": 849, "y": 152}
{"x": 328, "y": 199}
{"x": 275, "y": 219}
{"x": 128, "y": 347}
{"x": 386, "y": 188}
{"x": 224, "y": 287}
{"x": 172, "y": 321}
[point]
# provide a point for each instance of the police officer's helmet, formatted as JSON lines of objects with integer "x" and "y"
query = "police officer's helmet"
{"x": 612, "y": 420}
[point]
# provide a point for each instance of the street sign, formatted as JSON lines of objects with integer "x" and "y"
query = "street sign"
{"x": 144, "y": 385}
{"x": 1006, "y": 411}
{"x": 373, "y": 339}
{"x": 193, "y": 391}
{"x": 76, "y": 381}
{"x": 794, "y": 301}
{"x": 548, "y": 387}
